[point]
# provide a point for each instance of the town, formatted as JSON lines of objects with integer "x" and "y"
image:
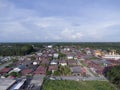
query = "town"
{"x": 55, "y": 62}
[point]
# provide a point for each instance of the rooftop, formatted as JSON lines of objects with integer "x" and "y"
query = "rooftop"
{"x": 6, "y": 83}
{"x": 76, "y": 69}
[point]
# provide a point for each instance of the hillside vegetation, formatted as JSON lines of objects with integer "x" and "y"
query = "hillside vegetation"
{"x": 114, "y": 75}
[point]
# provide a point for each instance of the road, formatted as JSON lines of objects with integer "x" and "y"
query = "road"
{"x": 78, "y": 78}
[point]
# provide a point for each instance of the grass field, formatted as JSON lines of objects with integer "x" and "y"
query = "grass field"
{"x": 74, "y": 85}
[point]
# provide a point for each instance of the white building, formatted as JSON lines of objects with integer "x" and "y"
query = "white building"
{"x": 66, "y": 49}
{"x": 116, "y": 57}
{"x": 15, "y": 70}
{"x": 53, "y": 62}
{"x": 55, "y": 55}
{"x": 49, "y": 46}
{"x": 70, "y": 57}
{"x": 112, "y": 55}
{"x": 63, "y": 63}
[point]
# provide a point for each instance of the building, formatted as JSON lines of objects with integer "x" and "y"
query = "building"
{"x": 76, "y": 70}
{"x": 5, "y": 84}
{"x": 55, "y": 55}
{"x": 40, "y": 70}
{"x": 19, "y": 85}
{"x": 15, "y": 70}
{"x": 49, "y": 46}
{"x": 53, "y": 68}
{"x": 72, "y": 62}
{"x": 115, "y": 57}
{"x": 54, "y": 62}
{"x": 112, "y": 55}
{"x": 5, "y": 70}
{"x": 27, "y": 72}
{"x": 36, "y": 82}
{"x": 70, "y": 57}
{"x": 63, "y": 63}
{"x": 98, "y": 53}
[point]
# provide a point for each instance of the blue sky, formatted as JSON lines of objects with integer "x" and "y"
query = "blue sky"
{"x": 59, "y": 20}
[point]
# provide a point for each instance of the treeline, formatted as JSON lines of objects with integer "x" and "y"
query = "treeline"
{"x": 96, "y": 45}
{"x": 114, "y": 75}
{"x": 9, "y": 49}
{"x": 15, "y": 49}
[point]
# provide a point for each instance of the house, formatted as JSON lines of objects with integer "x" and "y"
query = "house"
{"x": 76, "y": 70}
{"x": 36, "y": 81}
{"x": 98, "y": 53}
{"x": 72, "y": 62}
{"x": 88, "y": 52}
{"x": 26, "y": 71}
{"x": 53, "y": 68}
{"x": 40, "y": 70}
{"x": 21, "y": 67}
{"x": 49, "y": 46}
{"x": 39, "y": 53}
{"x": 45, "y": 61}
{"x": 55, "y": 55}
{"x": 15, "y": 70}
{"x": 63, "y": 63}
{"x": 5, "y": 70}
{"x": 70, "y": 57}
{"x": 54, "y": 62}
{"x": 106, "y": 63}
{"x": 66, "y": 49}
{"x": 100, "y": 71}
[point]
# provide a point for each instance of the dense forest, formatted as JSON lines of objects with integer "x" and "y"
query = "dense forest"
{"x": 15, "y": 49}
{"x": 114, "y": 75}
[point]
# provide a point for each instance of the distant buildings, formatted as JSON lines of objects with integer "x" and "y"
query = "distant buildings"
{"x": 115, "y": 57}
{"x": 49, "y": 46}
{"x": 98, "y": 53}
{"x": 112, "y": 55}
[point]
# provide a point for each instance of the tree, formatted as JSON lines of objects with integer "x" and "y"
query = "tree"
{"x": 15, "y": 74}
{"x": 114, "y": 75}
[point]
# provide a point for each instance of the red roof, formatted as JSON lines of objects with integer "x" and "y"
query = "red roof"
{"x": 71, "y": 62}
{"x": 83, "y": 70}
{"x": 53, "y": 67}
{"x": 5, "y": 70}
{"x": 40, "y": 70}
{"x": 26, "y": 71}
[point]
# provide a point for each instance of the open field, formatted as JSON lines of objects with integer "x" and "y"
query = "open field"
{"x": 74, "y": 85}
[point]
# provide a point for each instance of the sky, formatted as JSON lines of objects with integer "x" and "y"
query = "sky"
{"x": 59, "y": 20}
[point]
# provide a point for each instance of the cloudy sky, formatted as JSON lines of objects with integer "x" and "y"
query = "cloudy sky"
{"x": 59, "y": 20}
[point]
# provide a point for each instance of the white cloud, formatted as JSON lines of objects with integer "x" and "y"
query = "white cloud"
{"x": 21, "y": 24}
{"x": 69, "y": 34}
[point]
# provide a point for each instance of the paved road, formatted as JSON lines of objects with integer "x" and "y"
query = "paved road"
{"x": 78, "y": 78}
